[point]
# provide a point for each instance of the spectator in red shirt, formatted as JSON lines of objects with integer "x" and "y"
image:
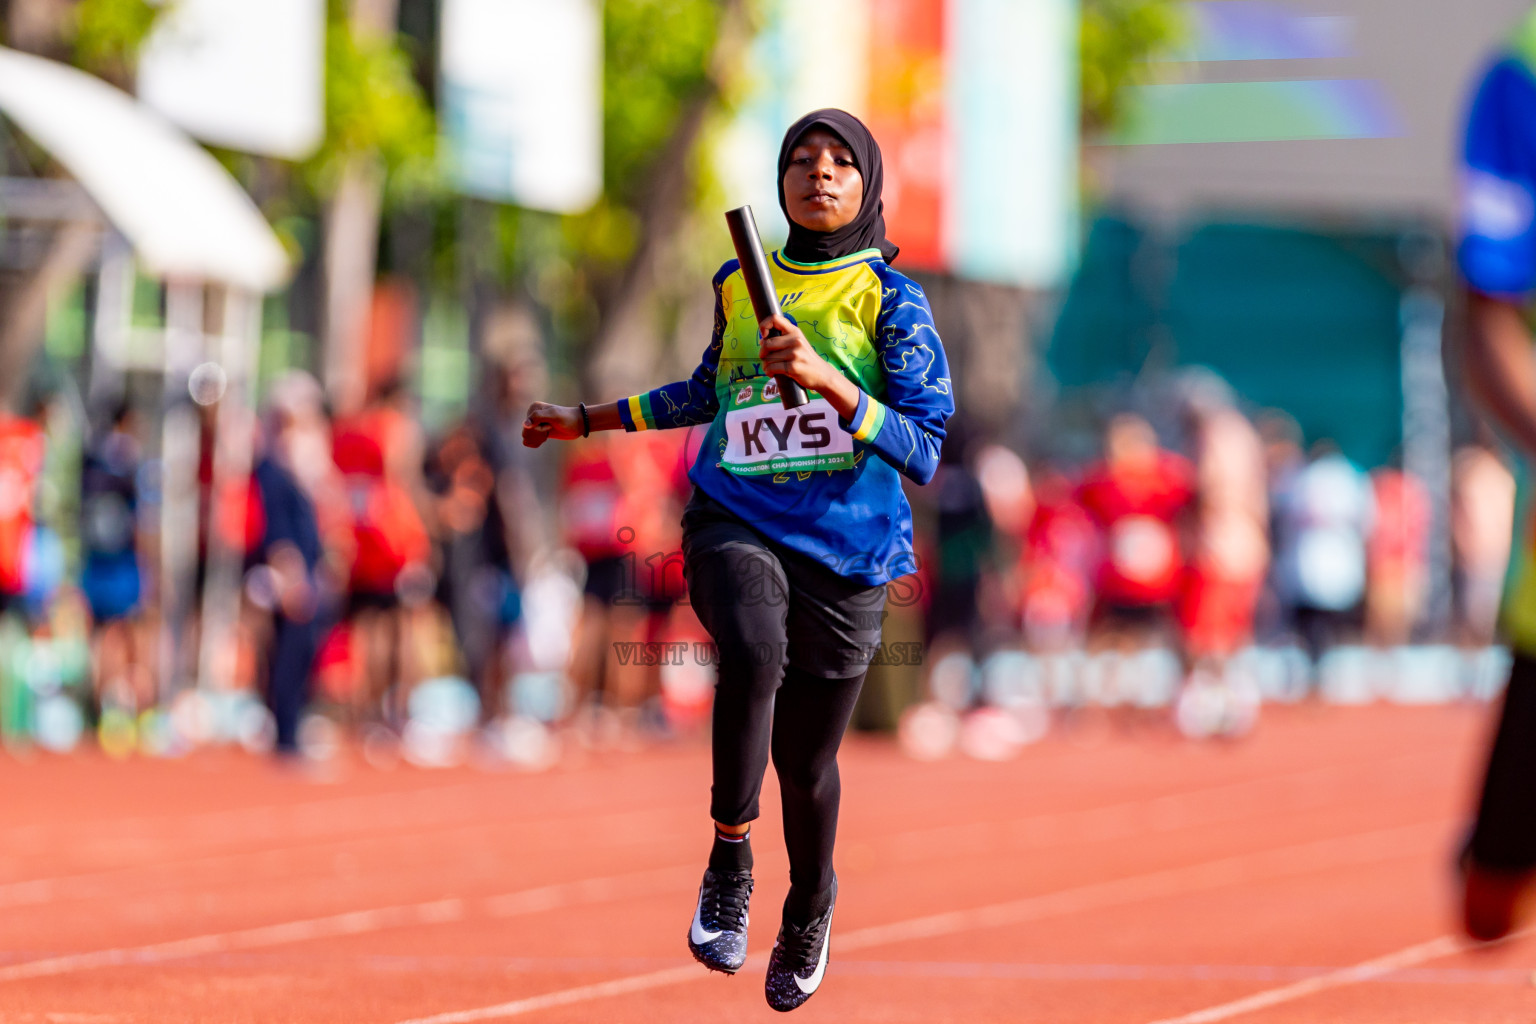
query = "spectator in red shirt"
{"x": 1229, "y": 554}
{"x": 621, "y": 511}
{"x": 21, "y": 463}
{"x": 1397, "y": 557}
{"x": 1058, "y": 559}
{"x": 1137, "y": 497}
{"x": 378, "y": 454}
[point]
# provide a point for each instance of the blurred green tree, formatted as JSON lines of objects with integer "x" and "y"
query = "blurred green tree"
{"x": 604, "y": 275}
{"x": 100, "y": 36}
{"x": 106, "y": 36}
{"x": 374, "y": 107}
{"x": 1119, "y": 39}
{"x": 665, "y": 67}
{"x": 380, "y": 140}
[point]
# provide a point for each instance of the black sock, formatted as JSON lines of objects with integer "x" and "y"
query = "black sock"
{"x": 731, "y": 853}
{"x": 802, "y": 907}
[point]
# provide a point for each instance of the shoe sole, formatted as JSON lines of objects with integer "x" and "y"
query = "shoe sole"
{"x": 732, "y": 971}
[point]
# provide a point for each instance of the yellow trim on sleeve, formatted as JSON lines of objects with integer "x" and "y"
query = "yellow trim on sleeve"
{"x": 636, "y": 415}
{"x": 867, "y": 425}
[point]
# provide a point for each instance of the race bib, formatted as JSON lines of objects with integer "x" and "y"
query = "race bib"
{"x": 764, "y": 437}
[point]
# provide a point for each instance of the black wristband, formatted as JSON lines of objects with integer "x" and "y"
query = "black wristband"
{"x": 586, "y": 423}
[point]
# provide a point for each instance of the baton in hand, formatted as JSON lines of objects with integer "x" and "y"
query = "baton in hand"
{"x": 765, "y": 304}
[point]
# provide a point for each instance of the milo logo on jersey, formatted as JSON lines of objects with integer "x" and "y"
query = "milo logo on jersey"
{"x": 763, "y": 437}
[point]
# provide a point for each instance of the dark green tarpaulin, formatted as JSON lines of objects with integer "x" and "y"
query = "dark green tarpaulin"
{"x": 1293, "y": 319}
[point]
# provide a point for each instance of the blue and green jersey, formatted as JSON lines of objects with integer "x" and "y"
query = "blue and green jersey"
{"x": 1497, "y": 255}
{"x": 806, "y": 478}
{"x": 1498, "y": 174}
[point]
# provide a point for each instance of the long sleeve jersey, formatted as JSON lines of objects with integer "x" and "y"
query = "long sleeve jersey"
{"x": 1498, "y": 256}
{"x": 806, "y": 478}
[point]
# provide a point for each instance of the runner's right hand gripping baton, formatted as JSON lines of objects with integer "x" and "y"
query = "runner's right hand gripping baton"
{"x": 765, "y": 304}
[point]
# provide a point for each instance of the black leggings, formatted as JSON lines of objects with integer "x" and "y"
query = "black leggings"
{"x": 1504, "y": 836}
{"x": 793, "y": 641}
{"x": 806, "y": 721}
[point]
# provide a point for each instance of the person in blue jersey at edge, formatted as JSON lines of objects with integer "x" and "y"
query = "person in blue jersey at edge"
{"x": 797, "y": 521}
{"x": 1498, "y": 260}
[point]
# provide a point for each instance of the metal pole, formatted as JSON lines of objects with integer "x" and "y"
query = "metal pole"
{"x": 1427, "y": 437}
{"x": 113, "y": 316}
{"x": 178, "y": 476}
{"x": 233, "y": 450}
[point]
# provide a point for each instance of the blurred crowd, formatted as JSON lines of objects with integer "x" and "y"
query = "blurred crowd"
{"x": 1208, "y": 568}
{"x": 454, "y": 596}
{"x": 1241, "y": 534}
{"x": 418, "y": 594}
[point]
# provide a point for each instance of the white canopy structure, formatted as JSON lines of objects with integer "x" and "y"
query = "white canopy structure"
{"x": 190, "y": 224}
{"x": 186, "y": 218}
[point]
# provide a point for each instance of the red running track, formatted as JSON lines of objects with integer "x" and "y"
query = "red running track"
{"x": 1111, "y": 873}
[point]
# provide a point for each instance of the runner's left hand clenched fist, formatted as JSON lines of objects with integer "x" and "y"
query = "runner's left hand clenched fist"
{"x": 545, "y": 421}
{"x": 792, "y": 355}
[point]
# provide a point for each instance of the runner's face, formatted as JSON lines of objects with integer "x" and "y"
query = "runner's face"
{"x": 822, "y": 188}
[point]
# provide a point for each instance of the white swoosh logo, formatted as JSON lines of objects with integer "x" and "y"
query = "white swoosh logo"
{"x": 811, "y": 984}
{"x": 696, "y": 932}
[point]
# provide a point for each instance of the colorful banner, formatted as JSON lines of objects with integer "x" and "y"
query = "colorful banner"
{"x": 908, "y": 116}
{"x": 238, "y": 74}
{"x": 974, "y": 103}
{"x": 1013, "y": 111}
{"x": 522, "y": 100}
{"x": 783, "y": 81}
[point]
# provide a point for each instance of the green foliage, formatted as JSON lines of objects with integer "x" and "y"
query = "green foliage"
{"x": 656, "y": 57}
{"x": 656, "y": 60}
{"x": 373, "y": 106}
{"x": 1119, "y": 39}
{"x": 108, "y": 34}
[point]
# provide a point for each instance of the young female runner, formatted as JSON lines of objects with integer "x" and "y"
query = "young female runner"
{"x": 797, "y": 521}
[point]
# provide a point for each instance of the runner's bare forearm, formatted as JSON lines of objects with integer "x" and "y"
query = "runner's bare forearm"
{"x": 547, "y": 422}
{"x": 605, "y": 416}
{"x": 1501, "y": 367}
{"x": 841, "y": 394}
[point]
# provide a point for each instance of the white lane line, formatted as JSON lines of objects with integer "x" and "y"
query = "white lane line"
{"x": 1368, "y": 970}
{"x": 580, "y": 994}
{"x": 1298, "y": 792}
{"x": 356, "y": 922}
{"x": 1172, "y": 812}
{"x": 1117, "y": 820}
{"x": 1305, "y": 858}
{"x": 110, "y": 882}
{"x": 431, "y": 912}
{"x": 91, "y": 885}
{"x": 311, "y": 959}
{"x": 1365, "y": 847}
{"x": 258, "y": 821}
{"x": 591, "y": 890}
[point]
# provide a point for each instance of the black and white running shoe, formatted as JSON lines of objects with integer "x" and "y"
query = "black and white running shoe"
{"x": 799, "y": 959}
{"x": 717, "y": 938}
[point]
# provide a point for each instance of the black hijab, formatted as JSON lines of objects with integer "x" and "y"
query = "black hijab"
{"x": 867, "y": 229}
